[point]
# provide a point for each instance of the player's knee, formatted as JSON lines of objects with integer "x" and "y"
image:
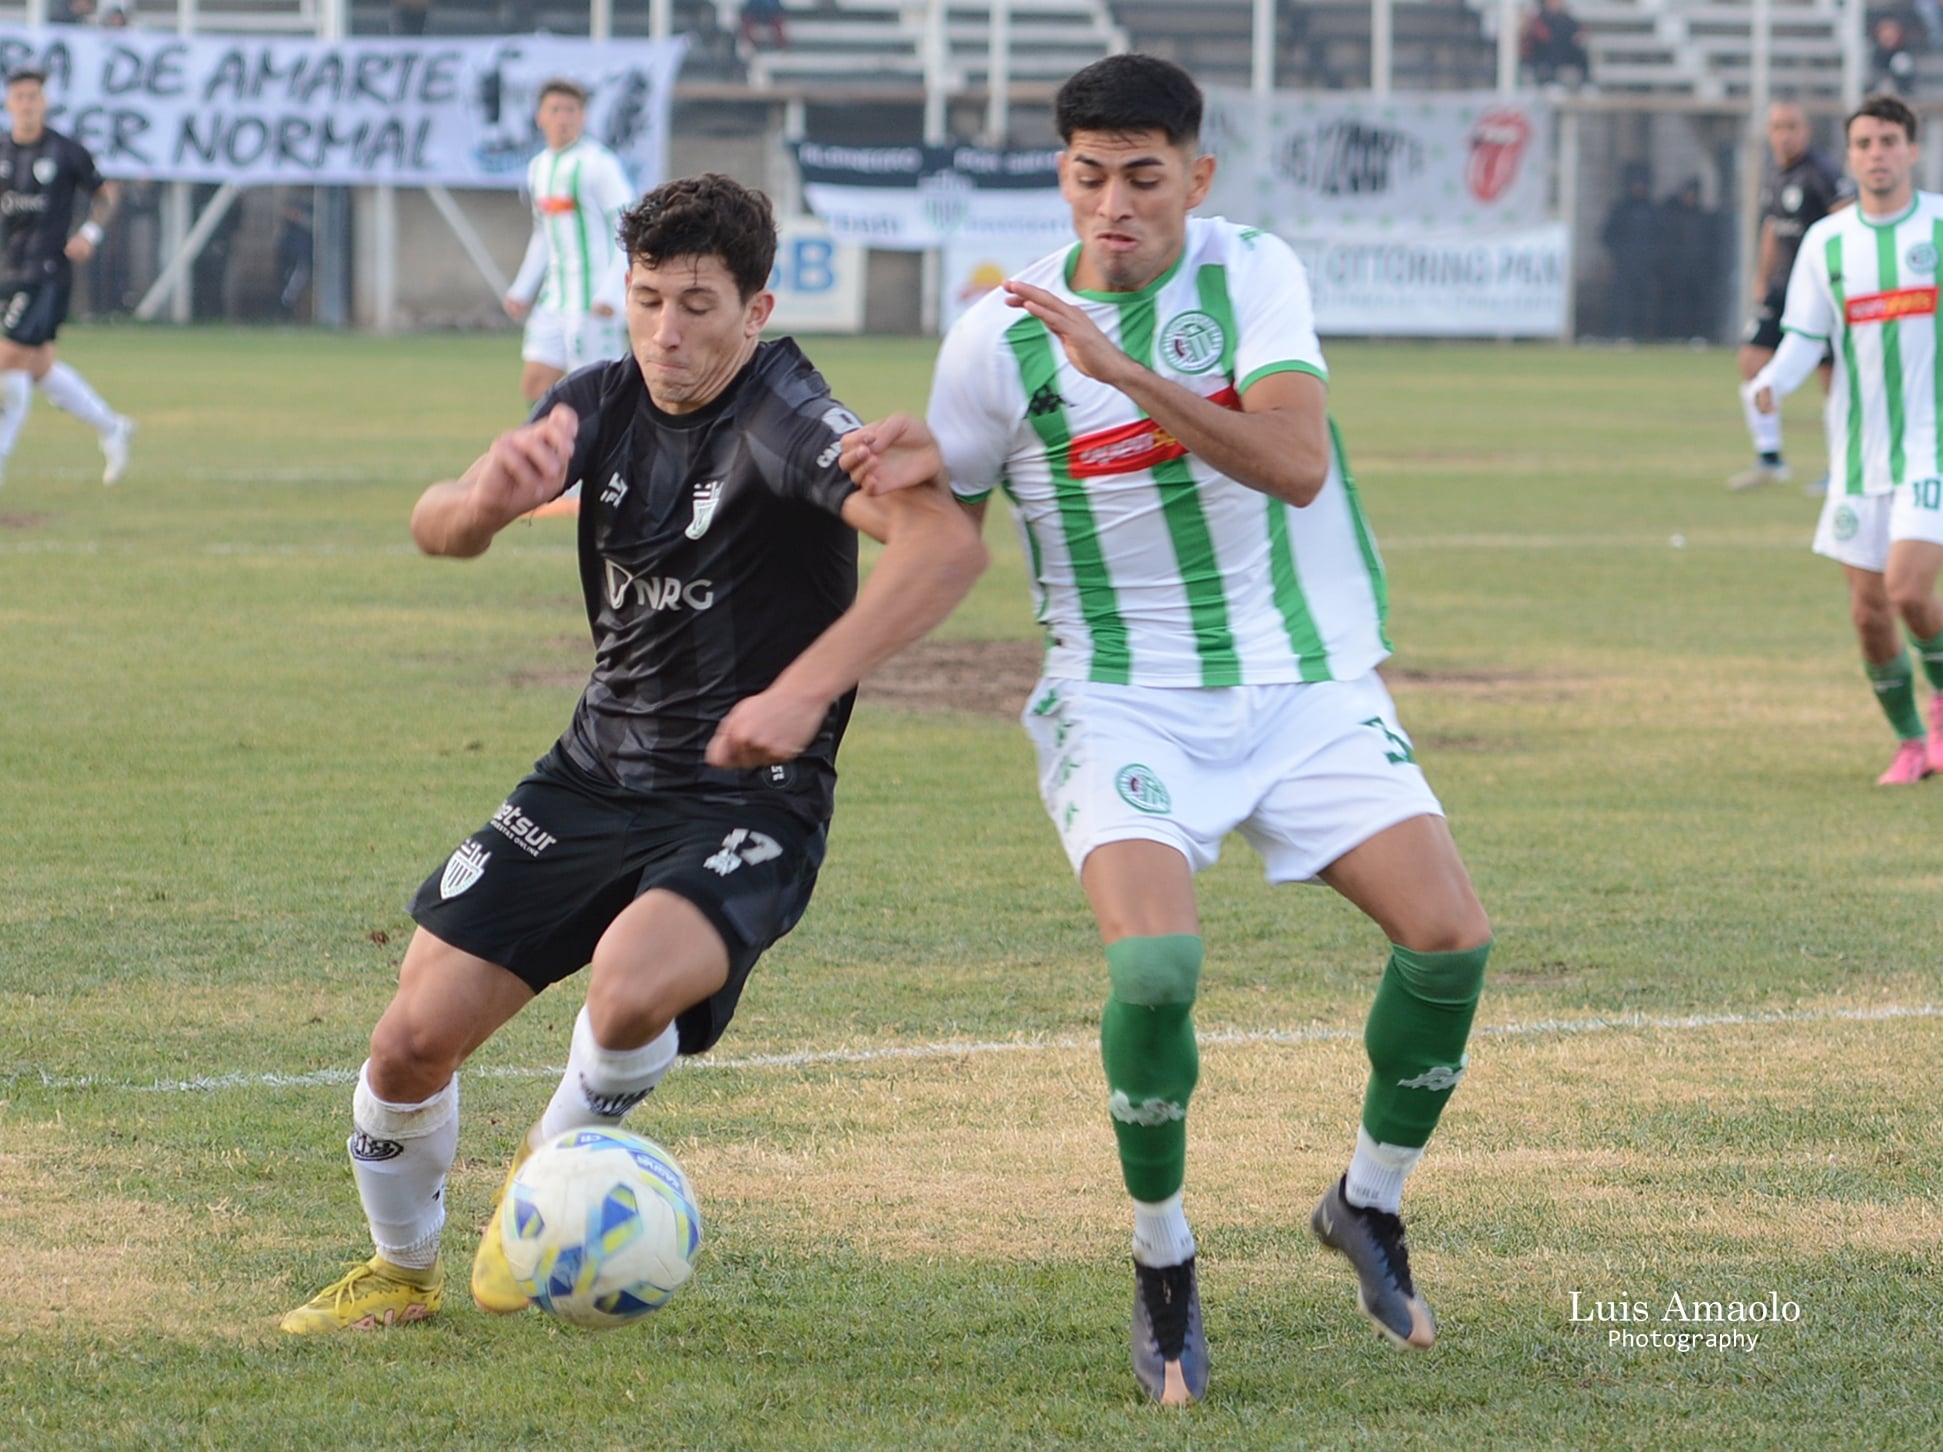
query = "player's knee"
{"x": 1156, "y": 972}
{"x": 626, "y": 1010}
{"x": 1451, "y": 976}
{"x": 412, "y": 1056}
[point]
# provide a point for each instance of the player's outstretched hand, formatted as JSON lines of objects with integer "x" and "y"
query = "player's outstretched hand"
{"x": 1760, "y": 395}
{"x": 1089, "y": 350}
{"x": 897, "y": 452}
{"x": 765, "y": 728}
{"x": 527, "y": 466}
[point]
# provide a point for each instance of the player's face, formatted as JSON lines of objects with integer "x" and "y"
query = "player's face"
{"x": 27, "y": 106}
{"x": 1881, "y": 159}
{"x": 1130, "y": 193}
{"x": 1787, "y": 133}
{"x": 561, "y": 119}
{"x": 690, "y": 329}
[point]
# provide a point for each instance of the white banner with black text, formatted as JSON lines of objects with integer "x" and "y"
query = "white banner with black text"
{"x": 396, "y": 111}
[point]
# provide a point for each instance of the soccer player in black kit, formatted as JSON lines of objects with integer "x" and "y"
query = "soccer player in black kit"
{"x": 675, "y": 829}
{"x": 1802, "y": 187}
{"x": 40, "y": 172}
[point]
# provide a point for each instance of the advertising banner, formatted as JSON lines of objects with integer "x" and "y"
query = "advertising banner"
{"x": 1457, "y": 285}
{"x": 407, "y": 112}
{"x": 818, "y": 281}
{"x": 911, "y": 198}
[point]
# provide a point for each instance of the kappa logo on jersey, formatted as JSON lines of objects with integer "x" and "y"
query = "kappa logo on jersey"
{"x": 742, "y": 846}
{"x": 463, "y": 868}
{"x": 1044, "y": 401}
{"x": 615, "y": 491}
{"x": 1920, "y": 258}
{"x": 1886, "y": 307}
{"x": 656, "y": 592}
{"x": 522, "y": 829}
{"x": 708, "y": 498}
{"x": 1139, "y": 787}
{"x": 1132, "y": 447}
{"x": 1192, "y": 342}
{"x": 46, "y": 169}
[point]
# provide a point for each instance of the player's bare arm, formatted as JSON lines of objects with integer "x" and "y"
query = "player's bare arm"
{"x": 1278, "y": 442}
{"x": 524, "y": 468}
{"x": 932, "y": 556}
{"x": 101, "y": 210}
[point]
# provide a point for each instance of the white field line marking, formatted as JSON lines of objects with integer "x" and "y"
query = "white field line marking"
{"x": 1536, "y": 1029}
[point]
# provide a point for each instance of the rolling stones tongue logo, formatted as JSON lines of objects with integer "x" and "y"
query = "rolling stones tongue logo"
{"x": 1497, "y": 147}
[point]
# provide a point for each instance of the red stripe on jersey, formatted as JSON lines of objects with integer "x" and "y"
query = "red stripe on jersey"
{"x": 555, "y": 206}
{"x": 1129, "y": 448}
{"x": 1886, "y": 307}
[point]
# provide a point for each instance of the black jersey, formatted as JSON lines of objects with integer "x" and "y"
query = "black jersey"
{"x": 1796, "y": 197}
{"x": 712, "y": 552}
{"x": 37, "y": 186}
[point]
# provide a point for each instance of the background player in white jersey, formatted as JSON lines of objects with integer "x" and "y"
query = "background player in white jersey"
{"x": 1153, "y": 403}
{"x": 1801, "y": 188}
{"x": 1866, "y": 280}
{"x": 41, "y": 171}
{"x": 570, "y": 283}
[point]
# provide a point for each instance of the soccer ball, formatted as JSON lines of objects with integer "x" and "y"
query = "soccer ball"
{"x": 600, "y": 1227}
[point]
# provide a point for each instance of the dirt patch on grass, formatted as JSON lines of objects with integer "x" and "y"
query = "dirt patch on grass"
{"x": 22, "y": 521}
{"x": 976, "y": 677}
{"x": 1480, "y": 685}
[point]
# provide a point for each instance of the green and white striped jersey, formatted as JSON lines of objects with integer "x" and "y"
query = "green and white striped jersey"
{"x": 1868, "y": 287}
{"x": 1150, "y": 567}
{"x": 574, "y": 259}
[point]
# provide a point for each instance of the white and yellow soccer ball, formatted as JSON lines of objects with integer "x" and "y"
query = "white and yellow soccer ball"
{"x": 600, "y": 1227}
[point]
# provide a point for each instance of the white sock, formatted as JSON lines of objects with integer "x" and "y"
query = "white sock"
{"x": 399, "y": 1156}
{"x": 602, "y": 1085}
{"x": 1763, "y": 428}
{"x": 69, "y": 390}
{"x": 16, "y": 398}
{"x": 1377, "y": 1172}
{"x": 1160, "y": 1234}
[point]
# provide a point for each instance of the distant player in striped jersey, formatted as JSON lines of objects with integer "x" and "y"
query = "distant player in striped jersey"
{"x": 570, "y": 285}
{"x": 1153, "y": 403}
{"x": 1866, "y": 282}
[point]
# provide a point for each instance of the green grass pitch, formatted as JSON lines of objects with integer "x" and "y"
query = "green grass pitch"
{"x": 240, "y": 718}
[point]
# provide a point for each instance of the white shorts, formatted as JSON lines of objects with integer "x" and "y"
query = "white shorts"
{"x": 1857, "y": 529}
{"x": 567, "y": 341}
{"x": 1305, "y": 771}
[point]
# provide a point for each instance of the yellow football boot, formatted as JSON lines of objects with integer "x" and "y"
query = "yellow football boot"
{"x": 493, "y": 1288}
{"x": 372, "y": 1296}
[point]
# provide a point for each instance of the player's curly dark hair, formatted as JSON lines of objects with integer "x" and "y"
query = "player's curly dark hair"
{"x": 1884, "y": 108}
{"x": 710, "y": 215}
{"x": 1126, "y": 93}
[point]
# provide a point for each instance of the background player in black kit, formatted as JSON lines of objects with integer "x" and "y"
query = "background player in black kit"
{"x": 40, "y": 172}
{"x": 676, "y": 828}
{"x": 1802, "y": 187}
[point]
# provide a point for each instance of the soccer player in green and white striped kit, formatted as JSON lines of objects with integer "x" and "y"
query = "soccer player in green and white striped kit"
{"x": 1153, "y": 402}
{"x": 1866, "y": 281}
{"x": 570, "y": 283}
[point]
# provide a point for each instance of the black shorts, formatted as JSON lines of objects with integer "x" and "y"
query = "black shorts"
{"x": 534, "y": 889}
{"x": 1763, "y": 328}
{"x": 31, "y": 313}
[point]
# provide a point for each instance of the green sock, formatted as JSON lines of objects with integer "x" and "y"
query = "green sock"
{"x": 1152, "y": 1062}
{"x": 1930, "y": 652}
{"x": 1895, "y": 684}
{"x": 1415, "y": 1037}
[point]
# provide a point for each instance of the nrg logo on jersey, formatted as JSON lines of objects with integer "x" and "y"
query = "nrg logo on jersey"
{"x": 655, "y": 592}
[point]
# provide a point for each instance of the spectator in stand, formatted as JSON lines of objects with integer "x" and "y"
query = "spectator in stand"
{"x": 1631, "y": 235}
{"x": 114, "y": 15}
{"x": 1552, "y": 47}
{"x": 765, "y": 15}
{"x": 1689, "y": 266}
{"x": 1892, "y": 69}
